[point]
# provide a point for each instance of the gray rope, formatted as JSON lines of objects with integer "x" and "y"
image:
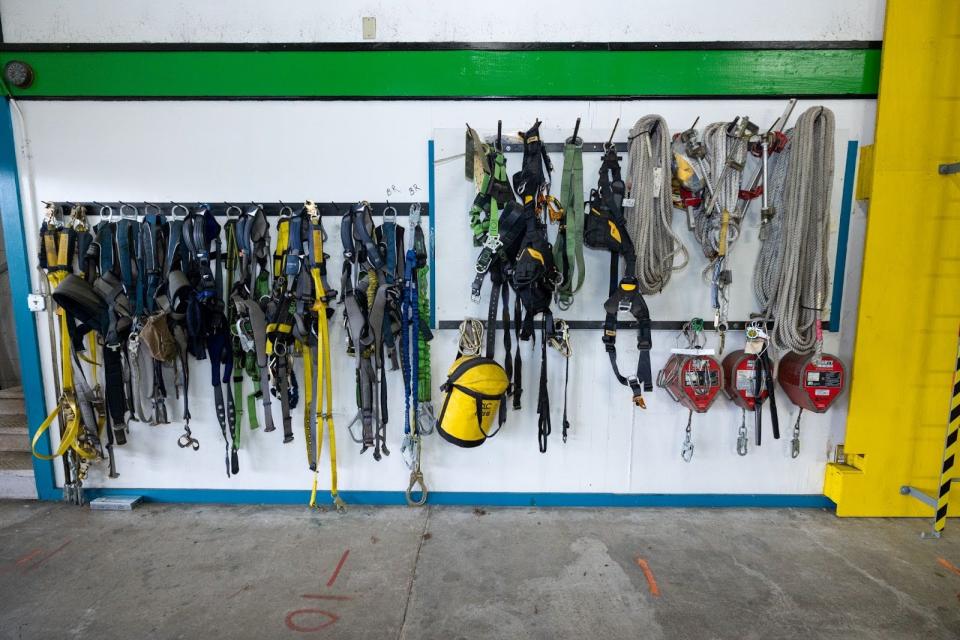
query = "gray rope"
{"x": 707, "y": 223}
{"x": 795, "y": 297}
{"x": 650, "y": 219}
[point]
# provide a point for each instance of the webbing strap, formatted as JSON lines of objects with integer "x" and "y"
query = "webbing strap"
{"x": 568, "y": 251}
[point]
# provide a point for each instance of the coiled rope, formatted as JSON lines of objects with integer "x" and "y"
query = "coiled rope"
{"x": 795, "y": 298}
{"x": 650, "y": 219}
{"x": 719, "y": 147}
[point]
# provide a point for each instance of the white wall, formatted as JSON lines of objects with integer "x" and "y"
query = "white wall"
{"x": 189, "y": 151}
{"x": 161, "y": 151}
{"x": 432, "y": 21}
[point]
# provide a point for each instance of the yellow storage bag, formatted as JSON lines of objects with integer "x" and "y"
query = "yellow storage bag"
{"x": 475, "y": 387}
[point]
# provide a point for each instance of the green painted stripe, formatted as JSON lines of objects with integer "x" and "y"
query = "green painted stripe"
{"x": 450, "y": 74}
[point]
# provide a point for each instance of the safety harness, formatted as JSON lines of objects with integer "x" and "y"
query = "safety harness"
{"x": 279, "y": 311}
{"x": 364, "y": 298}
{"x": 207, "y": 322}
{"x": 605, "y": 228}
{"x": 535, "y": 275}
{"x": 78, "y": 407}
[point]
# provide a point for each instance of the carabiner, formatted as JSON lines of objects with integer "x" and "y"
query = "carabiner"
{"x": 416, "y": 478}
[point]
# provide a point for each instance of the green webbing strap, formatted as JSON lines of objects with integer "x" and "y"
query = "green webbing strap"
{"x": 500, "y": 175}
{"x": 571, "y": 199}
{"x": 423, "y": 354}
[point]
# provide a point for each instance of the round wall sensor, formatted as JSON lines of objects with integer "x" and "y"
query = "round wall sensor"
{"x": 18, "y": 73}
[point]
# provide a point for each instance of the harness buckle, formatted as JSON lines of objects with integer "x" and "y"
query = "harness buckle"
{"x": 624, "y": 305}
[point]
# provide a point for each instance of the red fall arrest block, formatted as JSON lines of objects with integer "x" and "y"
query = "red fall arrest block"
{"x": 694, "y": 380}
{"x": 811, "y": 382}
{"x": 748, "y": 382}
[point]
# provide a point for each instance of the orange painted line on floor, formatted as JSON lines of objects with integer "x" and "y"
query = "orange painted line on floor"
{"x": 946, "y": 564}
{"x": 336, "y": 572}
{"x": 26, "y": 558}
{"x": 46, "y": 557}
{"x": 651, "y": 581}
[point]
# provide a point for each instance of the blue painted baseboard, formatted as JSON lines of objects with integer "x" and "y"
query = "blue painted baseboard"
{"x": 475, "y": 499}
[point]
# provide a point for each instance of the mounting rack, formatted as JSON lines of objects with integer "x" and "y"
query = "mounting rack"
{"x": 655, "y": 325}
{"x": 327, "y": 209}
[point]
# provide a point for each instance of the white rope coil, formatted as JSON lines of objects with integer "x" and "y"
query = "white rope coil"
{"x": 650, "y": 219}
{"x": 792, "y": 273}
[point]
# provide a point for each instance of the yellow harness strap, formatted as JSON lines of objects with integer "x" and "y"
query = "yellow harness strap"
{"x": 324, "y": 377}
{"x": 724, "y": 224}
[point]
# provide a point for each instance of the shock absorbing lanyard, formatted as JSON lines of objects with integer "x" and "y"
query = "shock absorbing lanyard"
{"x": 425, "y": 417}
{"x": 323, "y": 294}
{"x": 410, "y": 359}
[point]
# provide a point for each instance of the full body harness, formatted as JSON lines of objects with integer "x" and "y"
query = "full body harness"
{"x": 79, "y": 408}
{"x": 248, "y": 284}
{"x": 364, "y": 298}
{"x": 498, "y": 225}
{"x": 535, "y": 275}
{"x": 207, "y": 322}
{"x": 280, "y": 310}
{"x": 313, "y": 290}
{"x": 606, "y": 229}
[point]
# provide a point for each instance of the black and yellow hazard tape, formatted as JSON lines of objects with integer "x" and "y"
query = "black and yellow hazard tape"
{"x": 949, "y": 451}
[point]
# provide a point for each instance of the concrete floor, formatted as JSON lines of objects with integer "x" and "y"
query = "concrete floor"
{"x": 287, "y": 572}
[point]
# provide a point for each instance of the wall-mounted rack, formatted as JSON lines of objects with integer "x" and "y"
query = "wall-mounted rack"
{"x": 625, "y": 325}
{"x": 327, "y": 209}
{"x": 557, "y": 147}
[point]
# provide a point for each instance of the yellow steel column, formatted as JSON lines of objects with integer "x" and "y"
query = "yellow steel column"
{"x": 910, "y": 296}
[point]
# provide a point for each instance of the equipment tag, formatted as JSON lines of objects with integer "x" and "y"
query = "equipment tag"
{"x": 657, "y": 179}
{"x": 36, "y": 302}
{"x": 629, "y": 203}
{"x": 753, "y": 346}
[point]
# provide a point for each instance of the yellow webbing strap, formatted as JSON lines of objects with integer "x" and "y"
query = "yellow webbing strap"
{"x": 308, "y": 395}
{"x": 722, "y": 240}
{"x": 283, "y": 240}
{"x": 324, "y": 377}
{"x": 67, "y": 441}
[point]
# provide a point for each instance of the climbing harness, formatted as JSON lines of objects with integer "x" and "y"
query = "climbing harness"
{"x": 605, "y": 229}
{"x": 649, "y": 208}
